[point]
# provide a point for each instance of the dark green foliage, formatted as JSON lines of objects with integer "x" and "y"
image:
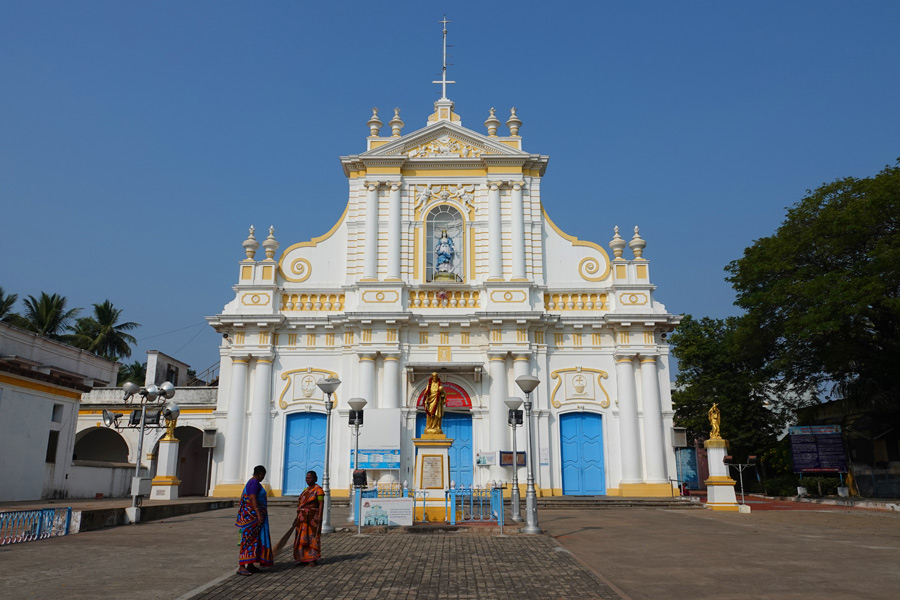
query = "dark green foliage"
{"x": 135, "y": 372}
{"x": 103, "y": 334}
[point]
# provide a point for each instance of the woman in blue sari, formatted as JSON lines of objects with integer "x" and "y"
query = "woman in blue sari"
{"x": 253, "y": 521}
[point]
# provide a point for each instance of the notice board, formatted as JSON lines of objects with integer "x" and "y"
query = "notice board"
{"x": 818, "y": 449}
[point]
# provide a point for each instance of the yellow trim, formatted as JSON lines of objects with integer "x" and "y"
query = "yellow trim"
{"x": 39, "y": 387}
{"x": 505, "y": 170}
{"x": 376, "y": 143}
{"x": 716, "y": 443}
{"x": 366, "y": 357}
{"x": 646, "y": 490}
{"x": 414, "y": 172}
{"x": 383, "y": 170}
{"x": 263, "y": 360}
{"x": 228, "y": 490}
{"x": 267, "y": 272}
{"x": 724, "y": 507}
{"x": 641, "y": 271}
{"x": 313, "y": 242}
{"x": 613, "y": 492}
{"x": 161, "y": 480}
{"x": 648, "y": 359}
{"x": 416, "y": 274}
{"x": 246, "y": 273}
{"x": 576, "y": 242}
{"x": 723, "y": 480}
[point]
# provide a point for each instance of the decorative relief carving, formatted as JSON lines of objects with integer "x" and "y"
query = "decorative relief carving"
{"x": 299, "y": 271}
{"x": 589, "y": 267}
{"x": 426, "y": 194}
{"x": 442, "y": 298}
{"x": 301, "y": 383}
{"x": 508, "y": 296}
{"x": 578, "y": 385}
{"x": 446, "y": 145}
{"x": 633, "y": 299}
{"x": 291, "y": 302}
{"x": 576, "y": 301}
{"x": 254, "y": 299}
{"x": 380, "y": 297}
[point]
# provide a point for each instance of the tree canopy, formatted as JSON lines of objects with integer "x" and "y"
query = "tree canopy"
{"x": 822, "y": 294}
{"x": 103, "y": 334}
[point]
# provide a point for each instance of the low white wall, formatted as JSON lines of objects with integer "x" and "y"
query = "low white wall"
{"x": 89, "y": 478}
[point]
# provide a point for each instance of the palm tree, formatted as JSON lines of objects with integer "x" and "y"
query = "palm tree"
{"x": 135, "y": 372}
{"x": 47, "y": 316}
{"x": 6, "y": 304}
{"x": 103, "y": 334}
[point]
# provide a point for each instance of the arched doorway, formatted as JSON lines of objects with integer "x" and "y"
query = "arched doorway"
{"x": 304, "y": 450}
{"x": 193, "y": 462}
{"x": 581, "y": 441}
{"x": 100, "y": 444}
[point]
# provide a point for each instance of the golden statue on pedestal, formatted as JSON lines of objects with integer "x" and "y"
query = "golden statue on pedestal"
{"x": 435, "y": 399}
{"x": 715, "y": 421}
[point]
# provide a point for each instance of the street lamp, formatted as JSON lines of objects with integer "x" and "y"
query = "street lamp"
{"x": 328, "y": 385}
{"x": 356, "y": 420}
{"x": 527, "y": 383}
{"x": 148, "y": 394}
{"x": 515, "y": 419}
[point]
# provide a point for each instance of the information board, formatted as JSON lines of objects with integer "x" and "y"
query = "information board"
{"x": 506, "y": 458}
{"x": 818, "y": 449}
{"x": 392, "y": 512}
{"x": 432, "y": 472}
{"x": 379, "y": 458}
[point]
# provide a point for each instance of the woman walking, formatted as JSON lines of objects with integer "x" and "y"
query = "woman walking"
{"x": 253, "y": 521}
{"x": 307, "y": 543}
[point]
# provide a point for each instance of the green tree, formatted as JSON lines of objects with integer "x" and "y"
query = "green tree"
{"x": 714, "y": 367}
{"x": 822, "y": 294}
{"x": 47, "y": 315}
{"x": 6, "y": 304}
{"x": 103, "y": 334}
{"x": 136, "y": 372}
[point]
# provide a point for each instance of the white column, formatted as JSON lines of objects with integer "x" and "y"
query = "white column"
{"x": 234, "y": 422}
{"x": 393, "y": 258}
{"x": 260, "y": 415}
{"x": 495, "y": 233}
{"x": 498, "y": 410}
{"x": 391, "y": 396}
{"x": 371, "y": 234}
{"x": 366, "y": 387}
{"x": 654, "y": 438}
{"x": 522, "y": 366}
{"x": 517, "y": 232}
{"x": 628, "y": 420}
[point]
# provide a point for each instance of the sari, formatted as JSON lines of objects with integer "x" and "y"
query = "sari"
{"x": 256, "y": 543}
{"x": 307, "y": 542}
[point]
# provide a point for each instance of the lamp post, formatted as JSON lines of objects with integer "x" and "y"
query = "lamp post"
{"x": 148, "y": 394}
{"x": 357, "y": 405}
{"x": 515, "y": 416}
{"x": 328, "y": 385}
{"x": 527, "y": 383}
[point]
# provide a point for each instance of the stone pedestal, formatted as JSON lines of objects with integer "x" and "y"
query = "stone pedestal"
{"x": 432, "y": 475}
{"x": 720, "y": 485}
{"x": 165, "y": 484}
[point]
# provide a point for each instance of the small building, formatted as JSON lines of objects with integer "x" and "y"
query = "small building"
{"x": 41, "y": 384}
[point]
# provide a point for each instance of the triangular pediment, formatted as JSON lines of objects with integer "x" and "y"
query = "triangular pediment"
{"x": 444, "y": 140}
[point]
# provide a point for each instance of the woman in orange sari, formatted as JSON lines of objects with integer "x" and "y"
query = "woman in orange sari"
{"x": 307, "y": 542}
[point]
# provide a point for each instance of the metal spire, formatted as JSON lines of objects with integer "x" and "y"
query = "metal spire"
{"x": 443, "y": 80}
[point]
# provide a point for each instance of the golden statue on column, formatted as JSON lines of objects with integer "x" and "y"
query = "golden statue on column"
{"x": 715, "y": 421}
{"x": 435, "y": 399}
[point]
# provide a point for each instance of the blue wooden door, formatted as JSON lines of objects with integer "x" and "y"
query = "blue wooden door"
{"x": 581, "y": 437}
{"x": 304, "y": 450}
{"x": 458, "y": 427}
{"x": 686, "y": 463}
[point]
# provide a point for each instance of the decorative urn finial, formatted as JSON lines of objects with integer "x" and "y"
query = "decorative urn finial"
{"x": 270, "y": 244}
{"x": 617, "y": 244}
{"x": 396, "y": 123}
{"x": 374, "y": 123}
{"x": 250, "y": 244}
{"x": 637, "y": 244}
{"x": 492, "y": 123}
{"x": 513, "y": 122}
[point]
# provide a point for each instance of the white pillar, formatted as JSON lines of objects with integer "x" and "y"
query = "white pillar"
{"x": 393, "y": 257}
{"x": 495, "y": 233}
{"x": 366, "y": 387}
{"x": 260, "y": 415}
{"x": 654, "y": 439}
{"x": 165, "y": 484}
{"x": 517, "y": 232}
{"x": 234, "y": 421}
{"x": 391, "y": 396}
{"x": 522, "y": 366}
{"x": 628, "y": 420}
{"x": 498, "y": 410}
{"x": 371, "y": 234}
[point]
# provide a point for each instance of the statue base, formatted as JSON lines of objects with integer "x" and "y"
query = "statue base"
{"x": 720, "y": 486}
{"x": 445, "y": 276}
{"x": 165, "y": 484}
{"x": 432, "y": 476}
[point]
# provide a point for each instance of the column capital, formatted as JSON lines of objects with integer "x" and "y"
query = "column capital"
{"x": 395, "y": 186}
{"x": 522, "y": 357}
{"x": 371, "y": 185}
{"x": 497, "y": 355}
{"x": 494, "y": 186}
{"x": 621, "y": 358}
{"x": 648, "y": 359}
{"x": 240, "y": 358}
{"x": 517, "y": 185}
{"x": 366, "y": 356}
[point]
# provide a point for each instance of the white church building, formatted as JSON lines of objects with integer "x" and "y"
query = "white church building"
{"x": 445, "y": 260}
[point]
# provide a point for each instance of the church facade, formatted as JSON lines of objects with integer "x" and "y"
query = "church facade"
{"x": 446, "y": 261}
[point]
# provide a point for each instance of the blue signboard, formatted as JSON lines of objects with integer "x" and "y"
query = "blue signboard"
{"x": 380, "y": 458}
{"x": 818, "y": 449}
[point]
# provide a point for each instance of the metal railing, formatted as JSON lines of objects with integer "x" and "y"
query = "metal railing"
{"x": 473, "y": 505}
{"x": 28, "y": 525}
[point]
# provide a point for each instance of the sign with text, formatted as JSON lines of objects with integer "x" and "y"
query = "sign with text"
{"x": 506, "y": 458}
{"x": 392, "y": 512}
{"x": 379, "y": 458}
{"x": 432, "y": 472}
{"x": 818, "y": 449}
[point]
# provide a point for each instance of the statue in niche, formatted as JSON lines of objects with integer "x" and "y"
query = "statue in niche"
{"x": 435, "y": 399}
{"x": 444, "y": 253}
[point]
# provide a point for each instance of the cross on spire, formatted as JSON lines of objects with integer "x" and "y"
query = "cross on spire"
{"x": 443, "y": 80}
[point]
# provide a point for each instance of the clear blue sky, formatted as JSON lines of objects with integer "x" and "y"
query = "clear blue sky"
{"x": 141, "y": 139}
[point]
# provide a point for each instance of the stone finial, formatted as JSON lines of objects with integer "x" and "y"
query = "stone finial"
{"x": 374, "y": 123}
{"x": 617, "y": 244}
{"x": 513, "y": 122}
{"x": 270, "y": 244}
{"x": 396, "y": 123}
{"x": 637, "y": 244}
{"x": 492, "y": 123}
{"x": 250, "y": 244}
